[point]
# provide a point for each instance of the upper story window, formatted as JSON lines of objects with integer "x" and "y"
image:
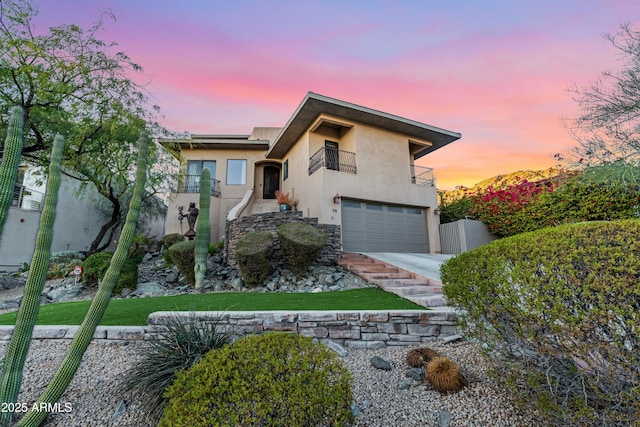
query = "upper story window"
{"x": 236, "y": 172}
{"x": 194, "y": 167}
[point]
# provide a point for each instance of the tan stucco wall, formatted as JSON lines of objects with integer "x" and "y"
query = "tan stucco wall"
{"x": 383, "y": 174}
{"x": 230, "y": 194}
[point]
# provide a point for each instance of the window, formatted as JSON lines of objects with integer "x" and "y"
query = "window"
{"x": 194, "y": 168}
{"x": 286, "y": 170}
{"x": 236, "y": 172}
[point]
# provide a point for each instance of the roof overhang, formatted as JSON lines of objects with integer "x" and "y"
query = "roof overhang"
{"x": 204, "y": 142}
{"x": 313, "y": 105}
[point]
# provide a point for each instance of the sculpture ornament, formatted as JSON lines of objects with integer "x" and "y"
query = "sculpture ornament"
{"x": 191, "y": 215}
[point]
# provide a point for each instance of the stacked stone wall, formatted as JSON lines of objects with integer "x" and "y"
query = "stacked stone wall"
{"x": 269, "y": 222}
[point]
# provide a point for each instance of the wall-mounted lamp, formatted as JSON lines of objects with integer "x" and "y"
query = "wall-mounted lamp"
{"x": 436, "y": 211}
{"x": 336, "y": 199}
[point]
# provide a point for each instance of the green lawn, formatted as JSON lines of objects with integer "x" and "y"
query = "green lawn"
{"x": 134, "y": 311}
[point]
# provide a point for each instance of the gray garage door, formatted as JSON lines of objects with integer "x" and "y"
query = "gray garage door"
{"x": 376, "y": 227}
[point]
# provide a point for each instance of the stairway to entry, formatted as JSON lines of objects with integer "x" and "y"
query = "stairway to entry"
{"x": 422, "y": 290}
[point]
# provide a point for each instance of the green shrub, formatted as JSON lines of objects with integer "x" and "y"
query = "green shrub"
{"x": 216, "y": 247}
{"x": 275, "y": 379}
{"x": 557, "y": 309}
{"x": 184, "y": 342}
{"x": 456, "y": 210}
{"x": 301, "y": 244}
{"x": 169, "y": 240}
{"x": 182, "y": 255}
{"x": 95, "y": 266}
{"x": 252, "y": 254}
{"x": 61, "y": 263}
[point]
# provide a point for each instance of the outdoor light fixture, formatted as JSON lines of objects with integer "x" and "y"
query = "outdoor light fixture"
{"x": 336, "y": 199}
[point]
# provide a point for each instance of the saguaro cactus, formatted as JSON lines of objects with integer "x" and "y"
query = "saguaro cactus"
{"x": 203, "y": 228}
{"x": 10, "y": 162}
{"x": 28, "y": 311}
{"x": 83, "y": 337}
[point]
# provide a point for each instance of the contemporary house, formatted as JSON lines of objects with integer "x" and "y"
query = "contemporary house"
{"x": 343, "y": 163}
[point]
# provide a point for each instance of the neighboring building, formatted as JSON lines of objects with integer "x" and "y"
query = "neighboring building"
{"x": 78, "y": 220}
{"x": 345, "y": 164}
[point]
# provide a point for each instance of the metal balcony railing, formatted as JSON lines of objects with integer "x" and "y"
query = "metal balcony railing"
{"x": 190, "y": 183}
{"x": 27, "y": 199}
{"x": 422, "y": 176}
{"x": 333, "y": 159}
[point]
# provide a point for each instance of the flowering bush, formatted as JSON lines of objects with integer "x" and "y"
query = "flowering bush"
{"x": 507, "y": 211}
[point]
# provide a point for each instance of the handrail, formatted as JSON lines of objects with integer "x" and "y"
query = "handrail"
{"x": 333, "y": 159}
{"x": 422, "y": 176}
{"x": 237, "y": 209}
{"x": 190, "y": 183}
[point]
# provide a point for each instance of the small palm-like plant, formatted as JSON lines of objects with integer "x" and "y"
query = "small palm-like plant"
{"x": 182, "y": 343}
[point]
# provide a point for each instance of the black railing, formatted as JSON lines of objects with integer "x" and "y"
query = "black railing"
{"x": 333, "y": 159}
{"x": 188, "y": 183}
{"x": 27, "y": 199}
{"x": 423, "y": 176}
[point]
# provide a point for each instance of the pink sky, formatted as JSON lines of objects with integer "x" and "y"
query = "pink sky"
{"x": 496, "y": 71}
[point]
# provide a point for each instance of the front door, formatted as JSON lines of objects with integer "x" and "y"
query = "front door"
{"x": 271, "y": 182}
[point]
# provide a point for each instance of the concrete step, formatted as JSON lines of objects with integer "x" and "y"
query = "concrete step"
{"x": 387, "y": 275}
{"x": 428, "y": 300}
{"x": 404, "y": 291}
{"x": 414, "y": 287}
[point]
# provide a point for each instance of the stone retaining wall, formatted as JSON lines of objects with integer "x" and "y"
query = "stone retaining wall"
{"x": 351, "y": 329}
{"x": 269, "y": 222}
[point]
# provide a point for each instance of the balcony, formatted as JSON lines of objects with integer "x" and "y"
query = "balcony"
{"x": 422, "y": 176}
{"x": 188, "y": 183}
{"x": 27, "y": 199}
{"x": 333, "y": 159}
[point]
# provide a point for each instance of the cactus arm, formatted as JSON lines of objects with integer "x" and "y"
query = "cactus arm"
{"x": 28, "y": 311}
{"x": 203, "y": 228}
{"x": 10, "y": 162}
{"x": 83, "y": 337}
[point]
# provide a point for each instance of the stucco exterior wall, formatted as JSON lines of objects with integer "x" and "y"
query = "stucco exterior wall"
{"x": 383, "y": 161}
{"x": 230, "y": 194}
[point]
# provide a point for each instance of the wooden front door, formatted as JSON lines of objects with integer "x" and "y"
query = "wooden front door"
{"x": 271, "y": 182}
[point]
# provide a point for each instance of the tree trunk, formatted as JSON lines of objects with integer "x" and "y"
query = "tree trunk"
{"x": 112, "y": 224}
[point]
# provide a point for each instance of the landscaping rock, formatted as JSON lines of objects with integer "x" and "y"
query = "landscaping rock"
{"x": 148, "y": 289}
{"x": 416, "y": 374}
{"x": 10, "y": 282}
{"x": 340, "y": 350}
{"x": 379, "y": 363}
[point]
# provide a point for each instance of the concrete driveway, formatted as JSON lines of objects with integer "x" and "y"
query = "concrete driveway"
{"x": 427, "y": 265}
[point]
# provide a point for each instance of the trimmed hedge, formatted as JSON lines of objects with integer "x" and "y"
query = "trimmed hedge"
{"x": 252, "y": 254}
{"x": 182, "y": 255}
{"x": 275, "y": 379}
{"x": 301, "y": 244}
{"x": 557, "y": 309}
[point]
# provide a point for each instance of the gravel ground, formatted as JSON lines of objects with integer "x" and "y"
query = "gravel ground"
{"x": 92, "y": 400}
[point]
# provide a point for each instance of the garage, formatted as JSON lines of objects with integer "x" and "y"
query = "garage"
{"x": 378, "y": 227}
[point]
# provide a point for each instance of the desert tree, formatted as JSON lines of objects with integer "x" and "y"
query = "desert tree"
{"x": 70, "y": 82}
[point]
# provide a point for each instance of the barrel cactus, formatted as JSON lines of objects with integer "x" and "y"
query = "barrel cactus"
{"x": 443, "y": 374}
{"x": 418, "y": 357}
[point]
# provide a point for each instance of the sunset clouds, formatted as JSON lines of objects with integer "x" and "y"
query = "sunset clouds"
{"x": 496, "y": 71}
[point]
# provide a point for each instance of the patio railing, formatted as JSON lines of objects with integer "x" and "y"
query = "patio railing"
{"x": 190, "y": 183}
{"x": 423, "y": 176}
{"x": 27, "y": 199}
{"x": 333, "y": 159}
